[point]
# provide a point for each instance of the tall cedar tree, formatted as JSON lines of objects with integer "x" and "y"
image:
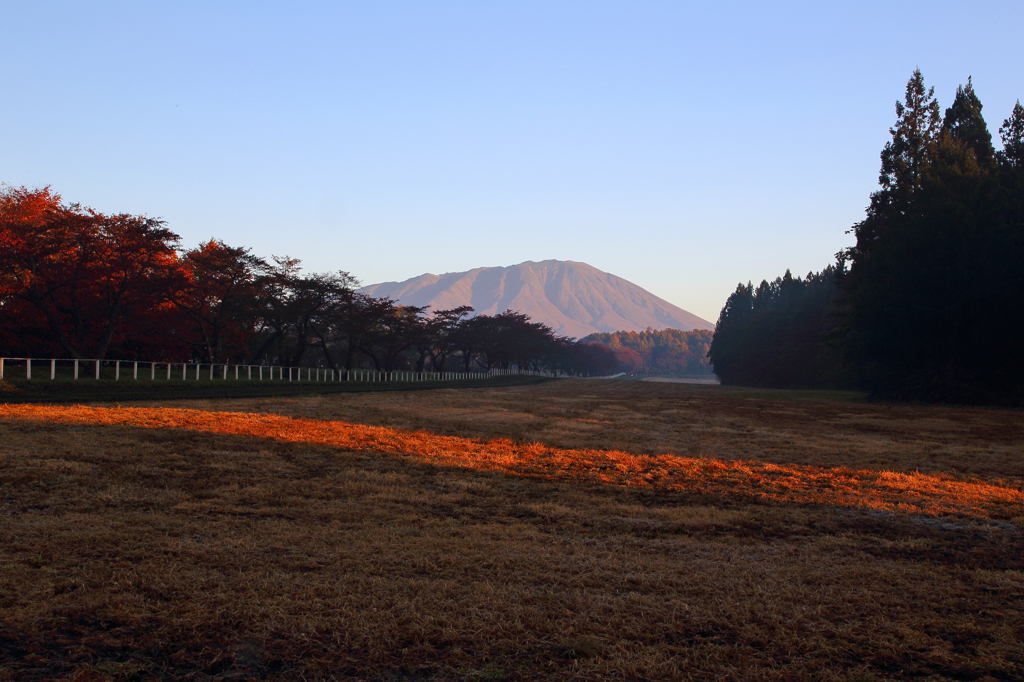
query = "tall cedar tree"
{"x": 963, "y": 122}
{"x": 935, "y": 289}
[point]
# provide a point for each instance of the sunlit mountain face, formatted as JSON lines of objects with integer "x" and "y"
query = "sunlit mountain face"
{"x": 574, "y": 299}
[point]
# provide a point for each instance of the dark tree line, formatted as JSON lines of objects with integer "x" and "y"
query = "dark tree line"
{"x": 777, "y": 335}
{"x": 79, "y": 284}
{"x": 929, "y": 303}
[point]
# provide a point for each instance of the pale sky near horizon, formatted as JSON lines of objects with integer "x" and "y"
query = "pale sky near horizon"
{"x": 683, "y": 146}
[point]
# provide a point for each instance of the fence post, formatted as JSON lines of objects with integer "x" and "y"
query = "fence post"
{"x": 184, "y": 371}
{"x": 152, "y": 371}
{"x": 97, "y": 370}
{"x": 53, "y": 369}
{"x": 28, "y": 368}
{"x": 1, "y": 369}
{"x": 226, "y": 372}
{"x": 76, "y": 369}
{"x": 117, "y": 370}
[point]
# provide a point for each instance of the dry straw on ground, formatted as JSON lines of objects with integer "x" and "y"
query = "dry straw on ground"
{"x": 571, "y": 530}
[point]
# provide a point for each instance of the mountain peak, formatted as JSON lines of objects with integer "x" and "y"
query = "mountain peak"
{"x": 573, "y": 298}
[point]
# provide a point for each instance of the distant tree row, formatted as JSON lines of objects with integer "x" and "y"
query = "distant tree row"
{"x": 76, "y": 283}
{"x": 777, "y": 335}
{"x": 929, "y": 303}
{"x": 664, "y": 352}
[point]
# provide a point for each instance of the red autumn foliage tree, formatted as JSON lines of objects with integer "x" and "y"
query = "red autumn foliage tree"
{"x": 216, "y": 297}
{"x": 78, "y": 283}
{"x": 74, "y": 275}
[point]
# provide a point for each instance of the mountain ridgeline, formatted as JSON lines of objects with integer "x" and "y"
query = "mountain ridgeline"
{"x": 75, "y": 283}
{"x": 929, "y": 303}
{"x": 573, "y": 299}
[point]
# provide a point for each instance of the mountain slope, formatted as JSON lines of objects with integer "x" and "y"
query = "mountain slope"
{"x": 574, "y": 299}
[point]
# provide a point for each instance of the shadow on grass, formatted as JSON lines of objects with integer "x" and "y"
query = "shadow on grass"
{"x": 21, "y": 391}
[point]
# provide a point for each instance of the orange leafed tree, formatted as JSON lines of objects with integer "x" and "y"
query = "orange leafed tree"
{"x": 215, "y": 295}
{"x": 76, "y": 275}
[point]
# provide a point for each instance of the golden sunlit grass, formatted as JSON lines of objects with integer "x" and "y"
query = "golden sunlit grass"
{"x": 570, "y": 530}
{"x": 887, "y": 490}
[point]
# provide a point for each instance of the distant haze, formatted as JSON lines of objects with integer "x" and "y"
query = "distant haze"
{"x": 574, "y": 299}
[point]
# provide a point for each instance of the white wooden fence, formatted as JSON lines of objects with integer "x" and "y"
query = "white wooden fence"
{"x": 77, "y": 368}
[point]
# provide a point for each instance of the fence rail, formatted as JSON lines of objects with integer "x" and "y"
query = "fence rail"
{"x": 76, "y": 369}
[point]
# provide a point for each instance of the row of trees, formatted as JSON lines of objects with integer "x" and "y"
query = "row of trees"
{"x": 777, "y": 334}
{"x": 665, "y": 352}
{"x": 929, "y": 303}
{"x": 81, "y": 284}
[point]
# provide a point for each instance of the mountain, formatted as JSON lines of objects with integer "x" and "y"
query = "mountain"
{"x": 574, "y": 299}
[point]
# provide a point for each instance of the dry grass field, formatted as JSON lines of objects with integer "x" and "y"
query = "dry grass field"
{"x": 566, "y": 530}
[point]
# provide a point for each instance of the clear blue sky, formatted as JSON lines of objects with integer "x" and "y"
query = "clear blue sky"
{"x": 683, "y": 146}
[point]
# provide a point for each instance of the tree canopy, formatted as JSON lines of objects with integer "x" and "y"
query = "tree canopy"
{"x": 929, "y": 302}
{"x": 664, "y": 352}
{"x": 76, "y": 283}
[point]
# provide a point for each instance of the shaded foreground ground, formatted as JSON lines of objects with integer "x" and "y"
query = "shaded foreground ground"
{"x": 145, "y": 544}
{"x": 42, "y": 390}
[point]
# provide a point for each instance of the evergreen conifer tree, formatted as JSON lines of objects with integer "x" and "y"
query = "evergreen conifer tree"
{"x": 934, "y": 290}
{"x": 913, "y": 137}
{"x": 964, "y": 123}
{"x": 1012, "y": 135}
